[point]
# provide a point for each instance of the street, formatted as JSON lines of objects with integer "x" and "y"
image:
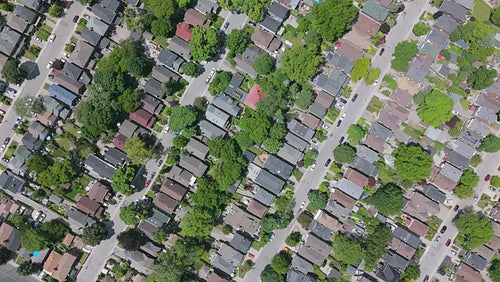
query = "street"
{"x": 312, "y": 179}
{"x": 8, "y": 274}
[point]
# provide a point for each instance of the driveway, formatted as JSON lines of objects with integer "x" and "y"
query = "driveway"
{"x": 312, "y": 179}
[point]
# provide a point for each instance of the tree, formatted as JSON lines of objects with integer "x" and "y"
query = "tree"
{"x": 344, "y": 153}
{"x": 162, "y": 9}
{"x": 403, "y": 53}
{"x": 495, "y": 181}
{"x": 27, "y": 268}
{"x": 313, "y": 38}
{"x": 332, "y": 18}
{"x": 376, "y": 244}
{"x": 412, "y": 163}
{"x": 54, "y": 231}
{"x": 181, "y": 118}
{"x": 161, "y": 27}
{"x": 305, "y": 219}
{"x": 12, "y": 73}
{"x": 481, "y": 78}
{"x": 356, "y": 133}
{"x": 122, "y": 179}
{"x": 60, "y": 172}
{"x": 494, "y": 269}
{"x": 465, "y": 187}
{"x": 269, "y": 275}
{"x": 474, "y": 230}
{"x": 495, "y": 16}
{"x": 255, "y": 125}
{"x": 304, "y": 98}
{"x": 55, "y": 10}
{"x": 5, "y": 255}
{"x": 237, "y": 41}
{"x": 411, "y": 273}
{"x": 388, "y": 199}
{"x": 243, "y": 140}
{"x": 180, "y": 141}
{"x": 22, "y": 107}
{"x": 280, "y": 262}
{"x": 111, "y": 81}
{"x": 93, "y": 235}
{"x": 346, "y": 250}
{"x": 191, "y": 68}
{"x": 360, "y": 69}
{"x": 139, "y": 66}
{"x": 310, "y": 157}
{"x": 457, "y": 129}
{"x": 264, "y": 64}
{"x": 317, "y": 200}
{"x": 227, "y": 172}
{"x": 198, "y": 223}
{"x": 129, "y": 100}
{"x": 137, "y": 150}
{"x": 435, "y": 109}
{"x": 132, "y": 239}
{"x": 293, "y": 239}
{"x": 300, "y": 63}
{"x": 490, "y": 144}
{"x": 420, "y": 29}
{"x": 204, "y": 43}
{"x": 38, "y": 163}
{"x": 220, "y": 82}
{"x": 171, "y": 268}
{"x": 372, "y": 75}
{"x": 33, "y": 239}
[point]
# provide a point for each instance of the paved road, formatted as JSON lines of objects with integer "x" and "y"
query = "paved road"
{"x": 63, "y": 30}
{"x": 312, "y": 179}
{"x": 8, "y": 274}
{"x": 437, "y": 251}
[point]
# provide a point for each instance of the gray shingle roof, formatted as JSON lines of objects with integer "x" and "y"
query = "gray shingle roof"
{"x": 455, "y": 10}
{"x": 153, "y": 87}
{"x": 263, "y": 196}
{"x": 375, "y": 10}
{"x": 300, "y": 264}
{"x": 193, "y": 164}
{"x": 290, "y": 154}
{"x": 277, "y": 11}
{"x": 296, "y": 142}
{"x": 97, "y": 26}
{"x": 270, "y": 24}
{"x": 210, "y": 130}
{"x": 434, "y": 193}
{"x": 72, "y": 71}
{"x": 10, "y": 181}
{"x": 475, "y": 260}
{"x": 278, "y": 167}
{"x": 104, "y": 14}
{"x": 197, "y": 148}
{"x": 9, "y": 39}
{"x": 380, "y": 131}
{"x": 270, "y": 182}
{"x": 407, "y": 237}
{"x": 300, "y": 130}
{"x": 349, "y": 188}
{"x": 234, "y": 84}
{"x": 180, "y": 47}
{"x": 446, "y": 23}
{"x": 90, "y": 36}
{"x": 227, "y": 104}
{"x": 216, "y": 116}
{"x": 315, "y": 250}
{"x": 438, "y": 37}
{"x": 241, "y": 243}
{"x": 100, "y": 167}
{"x": 116, "y": 157}
{"x": 367, "y": 154}
{"x": 25, "y": 14}
{"x": 365, "y": 166}
{"x": 340, "y": 62}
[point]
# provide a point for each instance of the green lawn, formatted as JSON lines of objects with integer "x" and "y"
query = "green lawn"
{"x": 375, "y": 105}
{"x": 64, "y": 143}
{"x": 162, "y": 41}
{"x": 59, "y": 153}
{"x": 481, "y": 11}
{"x": 43, "y": 34}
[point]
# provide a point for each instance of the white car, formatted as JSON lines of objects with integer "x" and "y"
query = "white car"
{"x": 313, "y": 166}
{"x": 302, "y": 205}
{"x": 49, "y": 66}
{"x": 376, "y": 82}
{"x": 52, "y": 38}
{"x": 2, "y": 148}
{"x": 66, "y": 54}
{"x": 325, "y": 126}
{"x": 343, "y": 116}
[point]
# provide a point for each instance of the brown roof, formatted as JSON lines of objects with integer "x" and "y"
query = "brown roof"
{"x": 46, "y": 118}
{"x": 375, "y": 143}
{"x": 421, "y": 207}
{"x": 366, "y": 24}
{"x": 357, "y": 177}
{"x": 213, "y": 277}
{"x": 467, "y": 274}
{"x": 405, "y": 250}
{"x": 257, "y": 208}
{"x": 418, "y": 227}
{"x": 329, "y": 222}
{"x": 311, "y": 121}
{"x": 88, "y": 206}
{"x": 388, "y": 120}
{"x": 52, "y": 262}
{"x": 343, "y": 199}
{"x": 401, "y": 96}
{"x": 444, "y": 183}
{"x": 5, "y": 231}
{"x": 151, "y": 104}
{"x": 147, "y": 228}
{"x": 173, "y": 189}
{"x": 385, "y": 3}
{"x": 143, "y": 118}
{"x": 165, "y": 203}
{"x": 64, "y": 267}
{"x": 395, "y": 243}
{"x": 397, "y": 110}
{"x": 68, "y": 83}
{"x": 485, "y": 252}
{"x": 358, "y": 38}
{"x": 265, "y": 40}
{"x": 98, "y": 192}
{"x": 194, "y": 17}
{"x": 349, "y": 50}
{"x": 68, "y": 239}
{"x": 5, "y": 205}
{"x": 3, "y": 60}
{"x": 324, "y": 99}
{"x": 78, "y": 243}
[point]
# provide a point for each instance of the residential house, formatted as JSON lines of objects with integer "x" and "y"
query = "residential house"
{"x": 459, "y": 154}
{"x": 153, "y": 87}
{"x": 453, "y": 9}
{"x": 241, "y": 243}
{"x": 11, "y": 182}
{"x": 373, "y": 9}
{"x": 10, "y": 237}
{"x": 181, "y": 176}
{"x": 173, "y": 189}
{"x": 295, "y": 276}
{"x": 141, "y": 258}
{"x": 38, "y": 130}
{"x": 350, "y": 188}
{"x": 290, "y": 154}
{"x": 206, "y": 6}
{"x": 151, "y": 104}
{"x": 165, "y": 203}
{"x": 366, "y": 24}
{"x": 105, "y": 14}
{"x": 128, "y": 128}
{"x": 476, "y": 261}
{"x": 184, "y": 31}
{"x": 197, "y": 148}
{"x": 402, "y": 97}
{"x": 256, "y": 208}
{"x": 31, "y": 142}
{"x": 143, "y": 118}
{"x": 78, "y": 219}
{"x": 406, "y": 236}
{"x": 193, "y": 165}
{"x": 416, "y": 226}
{"x": 278, "y": 167}
{"x": 433, "y": 193}
{"x": 466, "y": 273}
{"x": 9, "y": 41}
{"x": 402, "y": 248}
{"x": 162, "y": 74}
{"x": 180, "y": 47}
{"x": 170, "y": 60}
{"x": 300, "y": 130}
{"x": 325, "y": 226}
{"x": 240, "y": 219}
{"x": 150, "y": 249}
{"x": 158, "y": 218}
{"x": 324, "y": 99}
{"x": 388, "y": 274}
{"x": 380, "y": 131}
{"x": 210, "y": 130}
{"x": 340, "y": 62}
{"x": 337, "y": 210}
{"x": 356, "y": 177}
{"x": 343, "y": 199}
{"x": 278, "y": 12}
{"x": 244, "y": 62}
{"x": 97, "y": 26}
{"x": 485, "y": 252}
{"x": 194, "y": 18}
{"x": 62, "y": 95}
{"x": 227, "y": 260}
{"x": 311, "y": 120}
{"x": 68, "y": 83}
{"x": 99, "y": 167}
{"x": 300, "y": 264}
{"x": 82, "y": 54}
{"x": 269, "y": 182}
{"x": 315, "y": 250}
{"x": 396, "y": 261}
{"x": 364, "y": 166}
{"x": 116, "y": 157}
{"x": 266, "y": 40}
{"x": 254, "y": 96}
{"x": 420, "y": 66}
{"x": 349, "y": 50}
{"x": 270, "y": 24}
{"x": 446, "y": 24}
{"x": 87, "y": 206}
{"x": 216, "y": 116}
{"x": 72, "y": 71}
{"x": 296, "y": 142}
{"x": 447, "y": 178}
{"x": 19, "y": 20}
{"x": 98, "y": 192}
{"x": 234, "y": 85}
{"x": 438, "y": 37}
{"x": 35, "y": 5}
{"x": 90, "y": 36}
{"x": 264, "y": 196}
{"x": 367, "y": 153}
{"x": 332, "y": 84}
{"x": 227, "y": 104}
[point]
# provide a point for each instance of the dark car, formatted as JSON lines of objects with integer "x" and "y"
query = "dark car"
{"x": 354, "y": 97}
{"x": 14, "y": 127}
{"x": 291, "y": 182}
{"x": 75, "y": 19}
{"x": 455, "y": 208}
{"x": 341, "y": 140}
{"x": 226, "y": 24}
{"x": 7, "y": 140}
{"x": 5, "y": 160}
{"x": 443, "y": 229}
{"x": 328, "y": 162}
{"x": 381, "y": 51}
{"x": 338, "y": 123}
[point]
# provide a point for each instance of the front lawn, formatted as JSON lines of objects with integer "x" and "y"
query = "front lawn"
{"x": 43, "y": 34}
{"x": 162, "y": 41}
{"x": 32, "y": 52}
{"x": 375, "y": 105}
{"x": 434, "y": 222}
{"x": 481, "y": 11}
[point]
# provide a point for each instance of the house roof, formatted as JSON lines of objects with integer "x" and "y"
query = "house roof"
{"x": 9, "y": 39}
{"x": 128, "y": 128}
{"x": 52, "y": 262}
{"x": 486, "y": 115}
{"x": 234, "y": 83}
{"x": 485, "y": 251}
{"x": 206, "y": 6}
{"x": 240, "y": 243}
{"x": 82, "y": 54}
{"x": 104, "y": 14}
{"x": 99, "y": 166}
{"x": 98, "y": 192}
{"x": 364, "y": 166}
{"x": 10, "y": 236}
{"x": 380, "y": 131}
{"x": 89, "y": 207}
{"x": 476, "y": 261}
{"x": 33, "y": 4}
{"x": 266, "y": 40}
{"x": 333, "y": 83}
{"x": 112, "y": 5}
{"x": 455, "y": 10}
{"x": 240, "y": 219}
{"x": 458, "y": 160}
{"x": 116, "y": 157}
{"x": 158, "y": 218}
{"x": 375, "y": 10}
{"x": 257, "y": 208}
{"x": 324, "y": 99}
{"x": 341, "y": 62}
{"x": 434, "y": 193}
{"x": 403, "y": 97}
{"x": 277, "y": 11}
{"x": 295, "y": 141}
{"x": 296, "y": 276}
{"x": 350, "y": 188}
{"x": 153, "y": 87}
{"x": 254, "y": 95}
{"x": 290, "y": 154}
{"x": 194, "y": 17}
{"x": 300, "y": 130}
{"x": 38, "y": 130}
{"x": 278, "y": 167}
{"x": 180, "y": 47}
{"x": 342, "y": 198}
{"x": 329, "y": 222}
{"x": 337, "y": 210}
{"x": 210, "y": 130}
{"x": 418, "y": 227}
{"x": 269, "y": 181}
{"x": 72, "y": 71}
{"x": 143, "y": 118}
{"x": 163, "y": 74}
{"x": 264, "y": 196}
{"x": 227, "y": 104}
{"x": 151, "y": 104}
{"x": 466, "y": 274}
{"x": 270, "y": 24}
{"x": 96, "y": 25}
{"x": 244, "y": 62}
{"x": 446, "y": 23}
{"x": 406, "y": 236}
{"x": 216, "y": 116}
{"x": 438, "y": 37}
{"x": 367, "y": 154}
{"x": 165, "y": 203}
{"x": 197, "y": 148}
{"x": 91, "y": 36}
{"x": 356, "y": 177}
{"x": 300, "y": 264}
{"x": 228, "y": 259}
{"x": 311, "y": 120}
{"x": 396, "y": 261}
{"x": 17, "y": 23}
{"x": 184, "y": 31}
{"x": 180, "y": 175}
{"x": 173, "y": 189}
{"x": 31, "y": 142}
{"x": 150, "y": 249}
{"x": 315, "y": 250}
{"x": 450, "y": 172}
{"x": 78, "y": 219}
{"x": 10, "y": 181}
{"x": 68, "y": 83}
{"x": 349, "y": 50}
{"x": 366, "y": 24}
{"x": 193, "y": 164}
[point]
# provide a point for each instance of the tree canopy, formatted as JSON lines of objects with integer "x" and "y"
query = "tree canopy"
{"x": 332, "y": 18}
{"x": 253, "y": 8}
{"x": 490, "y": 144}
{"x": 360, "y": 69}
{"x": 129, "y": 100}
{"x": 264, "y": 64}
{"x": 280, "y": 262}
{"x": 293, "y": 239}
{"x": 191, "y": 68}
{"x": 204, "y": 43}
{"x": 411, "y": 273}
{"x": 404, "y": 52}
{"x": 344, "y": 153}
{"x": 134, "y": 213}
{"x": 255, "y": 125}
{"x": 137, "y": 150}
{"x": 420, "y": 29}
{"x": 93, "y": 235}
{"x": 465, "y": 187}
{"x": 412, "y": 163}
{"x": 237, "y": 41}
{"x": 495, "y": 19}
{"x": 162, "y": 8}
{"x": 300, "y": 63}
{"x": 12, "y": 73}
{"x": 60, "y": 172}
{"x": 346, "y": 249}
{"x": 435, "y": 109}
{"x": 388, "y": 199}
{"x": 474, "y": 230}
{"x": 122, "y": 179}
{"x": 494, "y": 269}
{"x": 27, "y": 268}
{"x": 132, "y": 239}
{"x": 269, "y": 275}
{"x": 481, "y": 78}
{"x": 303, "y": 98}
{"x": 181, "y": 118}
{"x": 220, "y": 82}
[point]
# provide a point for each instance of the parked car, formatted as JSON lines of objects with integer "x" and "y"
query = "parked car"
{"x": 302, "y": 205}
{"x": 487, "y": 178}
{"x": 476, "y": 198}
{"x": 6, "y": 141}
{"x": 14, "y": 127}
{"x": 42, "y": 217}
{"x": 12, "y": 90}
{"x": 2, "y": 148}
{"x": 75, "y": 19}
{"x": 49, "y": 66}
{"x": 492, "y": 188}
{"x": 313, "y": 166}
{"x": 85, "y": 16}
{"x": 226, "y": 25}
{"x": 325, "y": 126}
{"x": 341, "y": 140}
{"x": 455, "y": 208}
{"x": 291, "y": 182}
{"x": 381, "y": 51}
{"x": 443, "y": 229}
{"x": 288, "y": 250}
{"x": 5, "y": 160}
{"x": 52, "y": 37}
{"x": 147, "y": 184}
{"x": 328, "y": 162}
{"x": 343, "y": 116}
{"x": 437, "y": 238}
{"x": 339, "y": 122}
{"x": 376, "y": 82}
{"x": 354, "y": 97}
{"x": 250, "y": 255}
{"x": 448, "y": 242}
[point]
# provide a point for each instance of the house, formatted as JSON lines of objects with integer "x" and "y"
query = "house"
{"x": 181, "y": 176}
{"x": 227, "y": 260}
{"x": 296, "y": 142}
{"x": 300, "y": 130}
{"x": 10, "y": 181}
{"x": 91, "y": 36}
{"x": 402, "y": 97}
{"x": 78, "y": 219}
{"x": 72, "y": 71}
{"x": 194, "y": 18}
{"x": 180, "y": 47}
{"x": 256, "y": 208}
{"x": 165, "y": 203}
{"x": 402, "y": 248}
{"x": 9, "y": 40}
{"x": 460, "y": 155}
{"x": 97, "y": 26}
{"x": 324, "y": 99}
{"x": 300, "y": 264}
{"x": 269, "y": 182}
{"x": 87, "y": 206}
{"x": 264, "y": 196}
{"x": 430, "y": 49}
{"x": 315, "y": 250}
{"x": 143, "y": 118}
{"x": 433, "y": 193}
{"x": 265, "y": 40}
{"x": 254, "y": 96}
{"x": 295, "y": 276}
{"x": 10, "y": 237}
{"x": 241, "y": 243}
{"x": 234, "y": 84}
{"x": 349, "y": 50}
{"x": 216, "y": 116}
{"x": 38, "y": 130}
{"x": 210, "y": 130}
{"x": 153, "y": 87}
{"x": 82, "y": 54}
{"x": 340, "y": 62}
{"x": 270, "y": 24}
{"x": 197, "y": 148}
{"x": 227, "y": 104}
{"x": 170, "y": 60}
{"x": 486, "y": 115}
{"x": 128, "y": 128}
{"x": 367, "y": 153}
{"x": 438, "y": 37}
{"x": 332, "y": 84}
{"x": 278, "y": 12}
{"x": 453, "y": 9}
{"x": 406, "y": 236}
{"x": 366, "y": 24}
{"x": 324, "y": 226}
{"x": 206, "y": 6}
{"x": 100, "y": 167}
{"x": 98, "y": 192}
{"x": 116, "y": 157}
{"x": 158, "y": 218}
{"x": 356, "y": 177}
{"x": 364, "y": 166}
{"x": 466, "y": 273}
{"x": 68, "y": 83}
{"x": 388, "y": 274}
{"x": 476, "y": 261}
{"x": 31, "y": 142}
{"x": 150, "y": 249}
{"x": 468, "y": 4}
{"x": 151, "y": 104}
{"x": 105, "y": 14}
{"x": 193, "y": 165}
{"x": 343, "y": 199}
{"x": 396, "y": 261}
{"x": 173, "y": 189}
{"x": 447, "y": 178}
{"x": 35, "y": 5}
{"x": 244, "y": 62}
{"x": 446, "y": 24}
{"x": 62, "y": 95}
{"x": 375, "y": 10}
{"x": 485, "y": 252}
{"x": 7, "y": 207}
{"x": 184, "y": 31}
{"x": 162, "y": 74}
{"x": 419, "y": 67}
{"x": 17, "y": 23}
{"x": 290, "y": 154}
{"x": 416, "y": 226}
{"x": 141, "y": 258}
{"x": 278, "y": 167}
{"x": 311, "y": 120}
{"x": 240, "y": 219}
{"x": 350, "y": 188}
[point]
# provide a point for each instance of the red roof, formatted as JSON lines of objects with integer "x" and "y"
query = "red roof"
{"x": 143, "y": 118}
{"x": 119, "y": 141}
{"x": 184, "y": 31}
{"x": 254, "y": 96}
{"x": 89, "y": 207}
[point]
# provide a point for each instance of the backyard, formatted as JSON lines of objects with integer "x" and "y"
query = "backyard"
{"x": 481, "y": 11}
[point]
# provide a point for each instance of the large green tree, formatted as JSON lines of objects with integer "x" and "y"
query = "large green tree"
{"x": 474, "y": 230}
{"x": 93, "y": 235}
{"x": 137, "y": 150}
{"x": 494, "y": 269}
{"x": 122, "y": 179}
{"x": 404, "y": 52}
{"x": 280, "y": 262}
{"x": 5, "y": 255}
{"x": 317, "y": 200}
{"x": 38, "y": 163}
{"x": 412, "y": 163}
{"x": 411, "y": 273}
{"x": 198, "y": 223}
{"x": 237, "y": 41}
{"x": 132, "y": 239}
{"x": 129, "y": 100}
{"x": 162, "y": 9}
{"x": 264, "y": 64}
{"x": 255, "y": 125}
{"x": 12, "y": 73}
{"x": 388, "y": 199}
{"x": 344, "y": 153}
{"x": 204, "y": 43}
{"x": 332, "y": 18}
{"x": 495, "y": 19}
{"x": 181, "y": 118}
{"x": 269, "y": 275}
{"x": 60, "y": 172}
{"x": 346, "y": 249}
{"x": 220, "y": 82}
{"x": 481, "y": 77}
{"x": 300, "y": 63}
{"x": 27, "y": 268}
{"x": 435, "y": 109}
{"x": 360, "y": 69}
{"x": 134, "y": 213}
{"x": 465, "y": 187}
{"x": 490, "y": 144}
